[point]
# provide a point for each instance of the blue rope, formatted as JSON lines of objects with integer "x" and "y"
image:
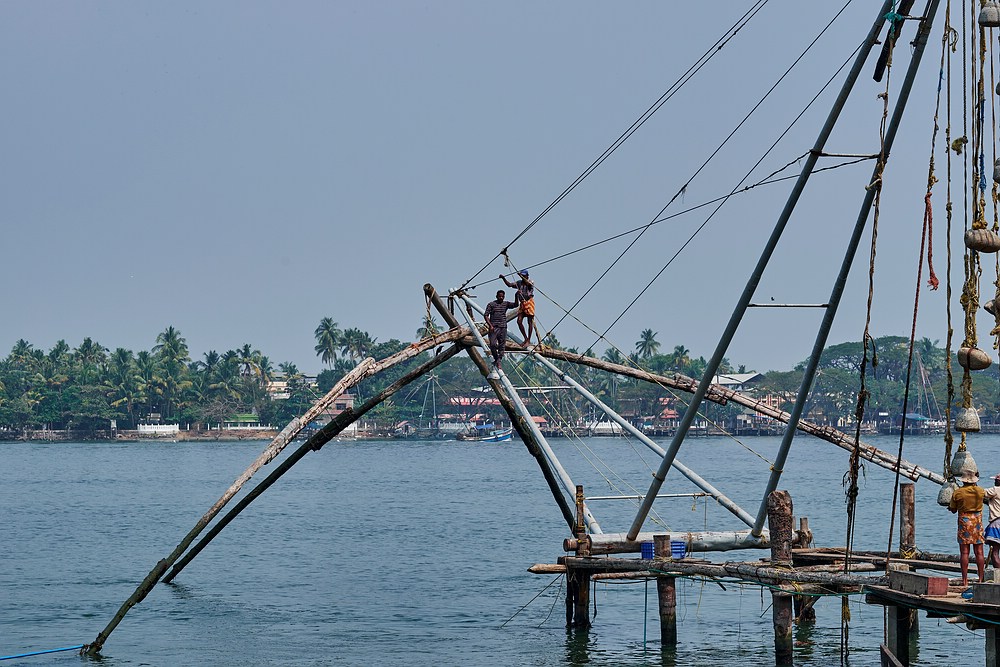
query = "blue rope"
{"x": 52, "y": 650}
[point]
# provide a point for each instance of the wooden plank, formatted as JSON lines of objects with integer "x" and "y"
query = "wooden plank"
{"x": 918, "y": 584}
{"x": 888, "y": 659}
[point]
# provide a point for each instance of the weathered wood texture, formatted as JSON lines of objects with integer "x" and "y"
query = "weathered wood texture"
{"x": 780, "y": 527}
{"x": 898, "y": 640}
{"x": 747, "y": 571}
{"x": 907, "y": 518}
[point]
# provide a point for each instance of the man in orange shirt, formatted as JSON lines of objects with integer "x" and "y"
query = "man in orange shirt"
{"x": 967, "y": 501}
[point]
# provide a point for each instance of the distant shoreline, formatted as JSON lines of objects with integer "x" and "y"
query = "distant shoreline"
{"x": 135, "y": 436}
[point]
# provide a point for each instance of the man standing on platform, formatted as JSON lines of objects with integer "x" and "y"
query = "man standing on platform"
{"x": 496, "y": 324}
{"x": 992, "y": 499}
{"x": 525, "y": 300}
{"x": 967, "y": 501}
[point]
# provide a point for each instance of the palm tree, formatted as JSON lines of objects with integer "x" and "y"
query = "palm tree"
{"x": 429, "y": 327}
{"x": 356, "y": 343}
{"x": 89, "y": 356}
{"x": 328, "y": 340}
{"x": 680, "y": 357}
{"x": 612, "y": 356}
{"x": 647, "y": 345}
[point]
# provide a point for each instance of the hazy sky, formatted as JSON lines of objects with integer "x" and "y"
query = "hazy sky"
{"x": 239, "y": 170}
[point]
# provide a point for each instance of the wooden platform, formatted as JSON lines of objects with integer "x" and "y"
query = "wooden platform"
{"x": 946, "y": 606}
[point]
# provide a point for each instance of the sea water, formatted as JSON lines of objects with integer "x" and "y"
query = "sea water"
{"x": 416, "y": 553}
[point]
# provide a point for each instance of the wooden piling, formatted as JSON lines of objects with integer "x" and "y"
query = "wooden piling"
{"x": 908, "y": 538}
{"x": 899, "y": 622}
{"x": 779, "y": 523}
{"x": 578, "y": 580}
{"x": 666, "y": 594}
{"x": 992, "y": 646}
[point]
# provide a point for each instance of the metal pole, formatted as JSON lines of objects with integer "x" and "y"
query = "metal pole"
{"x": 919, "y": 42}
{"x": 564, "y": 478}
{"x": 738, "y": 511}
{"x": 754, "y": 280}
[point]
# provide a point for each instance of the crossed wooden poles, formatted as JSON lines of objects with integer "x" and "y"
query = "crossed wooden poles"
{"x": 457, "y": 338}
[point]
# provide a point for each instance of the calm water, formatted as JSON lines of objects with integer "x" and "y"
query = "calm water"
{"x": 413, "y": 553}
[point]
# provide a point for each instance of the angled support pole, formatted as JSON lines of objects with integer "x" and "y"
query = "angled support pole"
{"x": 751, "y": 287}
{"x": 515, "y": 419}
{"x": 315, "y": 442}
{"x": 920, "y": 41}
{"x": 691, "y": 475}
{"x": 567, "y": 483}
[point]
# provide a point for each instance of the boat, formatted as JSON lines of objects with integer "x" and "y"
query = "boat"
{"x": 487, "y": 433}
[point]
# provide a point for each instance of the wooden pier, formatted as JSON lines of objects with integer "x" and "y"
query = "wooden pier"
{"x": 797, "y": 574}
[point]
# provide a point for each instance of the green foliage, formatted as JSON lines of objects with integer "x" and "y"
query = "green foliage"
{"x": 84, "y": 387}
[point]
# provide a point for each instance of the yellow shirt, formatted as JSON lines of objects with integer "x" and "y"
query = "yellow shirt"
{"x": 969, "y": 498}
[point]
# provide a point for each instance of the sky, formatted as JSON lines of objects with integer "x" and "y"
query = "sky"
{"x": 241, "y": 170}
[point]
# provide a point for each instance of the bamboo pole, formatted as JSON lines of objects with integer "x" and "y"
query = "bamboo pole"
{"x": 750, "y": 572}
{"x": 327, "y": 433}
{"x": 315, "y": 442}
{"x": 723, "y": 395}
{"x": 515, "y": 419}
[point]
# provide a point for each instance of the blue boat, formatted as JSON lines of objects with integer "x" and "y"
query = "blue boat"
{"x": 487, "y": 433}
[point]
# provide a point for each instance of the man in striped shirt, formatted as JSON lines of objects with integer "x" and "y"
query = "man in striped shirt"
{"x": 496, "y": 324}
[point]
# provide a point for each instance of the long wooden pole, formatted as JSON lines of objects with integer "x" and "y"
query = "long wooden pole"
{"x": 320, "y": 437}
{"x": 315, "y": 443}
{"x": 722, "y": 395}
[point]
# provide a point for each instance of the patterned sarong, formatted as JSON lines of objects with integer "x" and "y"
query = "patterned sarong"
{"x": 528, "y": 308}
{"x": 970, "y": 528}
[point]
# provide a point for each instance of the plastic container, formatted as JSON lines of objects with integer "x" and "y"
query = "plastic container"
{"x": 678, "y": 549}
{"x": 647, "y": 550}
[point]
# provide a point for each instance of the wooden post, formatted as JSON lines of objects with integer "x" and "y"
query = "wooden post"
{"x": 666, "y": 594}
{"x": 779, "y": 523}
{"x": 804, "y": 606}
{"x": 577, "y": 580}
{"x": 992, "y": 646}
{"x": 899, "y": 633}
{"x": 907, "y": 518}
{"x": 908, "y": 536}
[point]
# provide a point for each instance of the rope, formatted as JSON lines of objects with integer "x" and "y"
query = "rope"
{"x": 950, "y": 37}
{"x": 615, "y": 237}
{"x": 51, "y": 650}
{"x": 854, "y": 465}
{"x": 646, "y": 115}
{"x": 704, "y": 164}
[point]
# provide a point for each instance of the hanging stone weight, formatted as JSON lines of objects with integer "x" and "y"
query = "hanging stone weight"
{"x": 991, "y": 307}
{"x": 944, "y": 495}
{"x": 989, "y": 15}
{"x": 982, "y": 240}
{"x": 996, "y": 165}
{"x": 967, "y": 421}
{"x": 962, "y": 460}
{"x": 973, "y": 359}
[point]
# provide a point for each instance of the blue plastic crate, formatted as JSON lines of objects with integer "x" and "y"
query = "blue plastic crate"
{"x": 678, "y": 549}
{"x": 647, "y": 550}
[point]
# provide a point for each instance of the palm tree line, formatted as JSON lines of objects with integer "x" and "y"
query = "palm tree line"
{"x": 88, "y": 386}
